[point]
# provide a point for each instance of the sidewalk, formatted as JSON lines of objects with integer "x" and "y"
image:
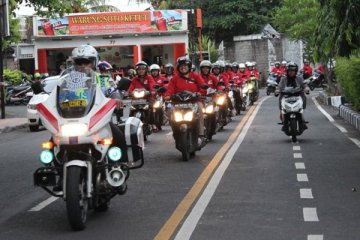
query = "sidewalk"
{"x": 10, "y": 124}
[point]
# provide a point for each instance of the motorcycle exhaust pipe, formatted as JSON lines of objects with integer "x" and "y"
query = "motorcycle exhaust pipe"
{"x": 115, "y": 177}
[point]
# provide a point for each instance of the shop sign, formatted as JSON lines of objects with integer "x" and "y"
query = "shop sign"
{"x": 112, "y": 23}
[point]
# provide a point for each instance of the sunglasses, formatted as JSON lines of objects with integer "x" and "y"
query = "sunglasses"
{"x": 82, "y": 61}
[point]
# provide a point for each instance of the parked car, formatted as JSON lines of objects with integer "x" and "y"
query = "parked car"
{"x": 33, "y": 116}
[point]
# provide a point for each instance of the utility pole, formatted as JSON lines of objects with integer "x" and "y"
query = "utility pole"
{"x": 4, "y": 31}
{"x": 192, "y": 37}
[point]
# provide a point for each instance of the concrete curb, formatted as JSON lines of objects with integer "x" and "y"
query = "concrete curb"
{"x": 345, "y": 112}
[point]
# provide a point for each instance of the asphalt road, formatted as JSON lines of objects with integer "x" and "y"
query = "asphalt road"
{"x": 260, "y": 187}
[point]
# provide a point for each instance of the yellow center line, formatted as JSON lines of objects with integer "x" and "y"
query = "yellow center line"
{"x": 181, "y": 210}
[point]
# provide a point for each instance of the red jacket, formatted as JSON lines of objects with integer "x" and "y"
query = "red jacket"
{"x": 255, "y": 73}
{"x": 243, "y": 76}
{"x": 147, "y": 83}
{"x": 159, "y": 80}
{"x": 179, "y": 83}
{"x": 307, "y": 69}
{"x": 283, "y": 70}
{"x": 230, "y": 74}
{"x": 222, "y": 78}
{"x": 276, "y": 70}
{"x": 210, "y": 80}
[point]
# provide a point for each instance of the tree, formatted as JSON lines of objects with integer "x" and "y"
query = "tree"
{"x": 297, "y": 19}
{"x": 222, "y": 20}
{"x": 337, "y": 31}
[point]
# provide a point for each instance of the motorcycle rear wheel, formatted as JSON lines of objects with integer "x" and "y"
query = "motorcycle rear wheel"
{"x": 76, "y": 201}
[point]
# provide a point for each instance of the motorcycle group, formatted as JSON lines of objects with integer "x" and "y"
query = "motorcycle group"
{"x": 88, "y": 159}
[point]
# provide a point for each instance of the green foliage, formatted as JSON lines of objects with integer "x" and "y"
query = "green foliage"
{"x": 348, "y": 74}
{"x": 15, "y": 36}
{"x": 222, "y": 20}
{"x": 13, "y": 77}
{"x": 338, "y": 31}
{"x": 206, "y": 43}
{"x": 297, "y": 19}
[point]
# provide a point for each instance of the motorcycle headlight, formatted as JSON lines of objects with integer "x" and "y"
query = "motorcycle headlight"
{"x": 157, "y": 104}
{"x": 209, "y": 109}
{"x": 178, "y": 116}
{"x": 220, "y": 100}
{"x": 114, "y": 154}
{"x": 73, "y": 129}
{"x": 139, "y": 94}
{"x": 188, "y": 116}
{"x": 250, "y": 86}
{"x": 46, "y": 157}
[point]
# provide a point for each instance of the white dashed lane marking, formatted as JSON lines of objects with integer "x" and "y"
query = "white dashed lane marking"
{"x": 310, "y": 215}
{"x": 43, "y": 204}
{"x": 302, "y": 177}
{"x": 296, "y": 148}
{"x": 297, "y": 155}
{"x": 306, "y": 193}
{"x": 315, "y": 237}
{"x": 300, "y": 165}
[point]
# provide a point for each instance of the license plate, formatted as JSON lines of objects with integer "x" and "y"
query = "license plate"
{"x": 291, "y": 99}
{"x": 74, "y": 103}
{"x": 183, "y": 105}
{"x": 140, "y": 101}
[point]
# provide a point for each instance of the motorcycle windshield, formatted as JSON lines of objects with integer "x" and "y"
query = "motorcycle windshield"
{"x": 76, "y": 92}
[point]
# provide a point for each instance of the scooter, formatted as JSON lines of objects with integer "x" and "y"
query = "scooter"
{"x": 87, "y": 159}
{"x": 271, "y": 83}
{"x": 292, "y": 112}
{"x": 159, "y": 108}
{"x": 140, "y": 108}
{"x": 211, "y": 112}
{"x": 184, "y": 123}
{"x": 315, "y": 81}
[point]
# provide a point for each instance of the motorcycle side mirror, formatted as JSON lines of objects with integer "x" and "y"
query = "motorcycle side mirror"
{"x": 204, "y": 86}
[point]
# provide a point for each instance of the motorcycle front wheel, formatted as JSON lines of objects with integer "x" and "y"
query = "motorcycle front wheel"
{"x": 293, "y": 129}
{"x": 76, "y": 200}
{"x": 183, "y": 138}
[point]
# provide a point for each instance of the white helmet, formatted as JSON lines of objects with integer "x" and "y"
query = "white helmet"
{"x": 221, "y": 63}
{"x": 247, "y": 63}
{"x": 254, "y": 64}
{"x": 85, "y": 52}
{"x": 205, "y": 63}
{"x": 154, "y": 67}
{"x": 284, "y": 62}
{"x": 250, "y": 64}
{"x": 242, "y": 65}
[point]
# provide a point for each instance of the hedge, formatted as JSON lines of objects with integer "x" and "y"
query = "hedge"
{"x": 348, "y": 75}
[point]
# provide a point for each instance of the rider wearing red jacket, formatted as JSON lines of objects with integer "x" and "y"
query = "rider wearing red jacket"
{"x": 155, "y": 73}
{"x": 142, "y": 80}
{"x": 243, "y": 74}
{"x": 228, "y": 71}
{"x": 307, "y": 70}
{"x": 186, "y": 80}
{"x": 253, "y": 72}
{"x": 220, "y": 76}
{"x": 277, "y": 69}
{"x": 210, "y": 80}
